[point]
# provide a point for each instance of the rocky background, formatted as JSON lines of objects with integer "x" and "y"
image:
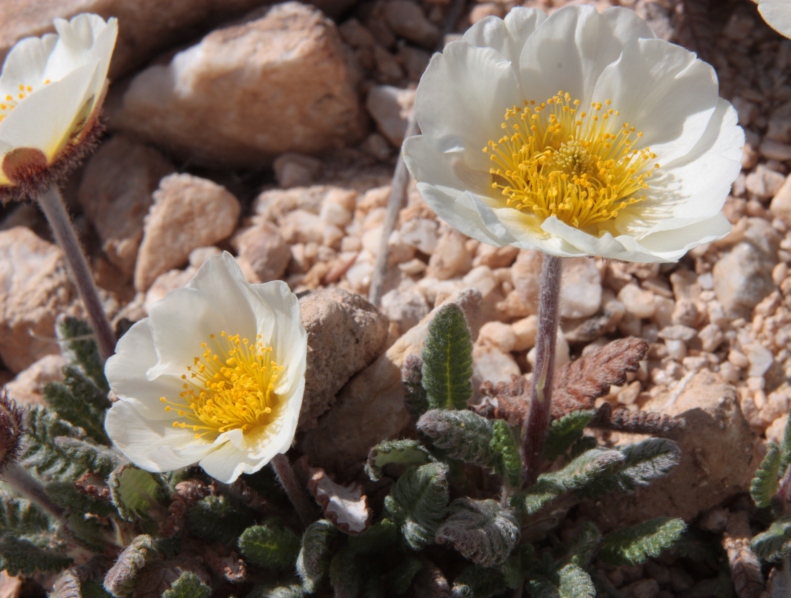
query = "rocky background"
{"x": 272, "y": 131}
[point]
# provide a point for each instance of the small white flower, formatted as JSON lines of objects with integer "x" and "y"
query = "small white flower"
{"x": 575, "y": 134}
{"x": 777, "y": 14}
{"x": 215, "y": 376}
{"x": 51, "y": 92}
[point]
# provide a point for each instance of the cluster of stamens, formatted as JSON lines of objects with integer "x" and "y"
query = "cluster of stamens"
{"x": 580, "y": 166}
{"x": 231, "y": 386}
{"x": 10, "y": 101}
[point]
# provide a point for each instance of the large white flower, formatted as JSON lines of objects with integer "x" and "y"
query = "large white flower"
{"x": 777, "y": 14}
{"x": 215, "y": 376}
{"x": 575, "y": 134}
{"x": 51, "y": 91}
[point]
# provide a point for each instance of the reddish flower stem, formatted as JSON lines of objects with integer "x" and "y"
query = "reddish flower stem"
{"x": 296, "y": 493}
{"x": 534, "y": 432}
{"x": 54, "y": 209}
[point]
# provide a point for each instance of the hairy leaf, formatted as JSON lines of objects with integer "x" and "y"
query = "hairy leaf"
{"x": 277, "y": 590}
{"x": 313, "y": 562}
{"x": 400, "y": 577}
{"x": 447, "y": 360}
{"x": 417, "y": 502}
{"x": 20, "y": 517}
{"x": 775, "y": 542}
{"x": 219, "y": 519}
{"x": 785, "y": 449}
{"x": 345, "y": 575}
{"x": 505, "y": 447}
{"x": 565, "y": 431}
{"x": 94, "y": 458}
{"x": 570, "y": 581}
{"x": 481, "y": 530}
{"x": 479, "y": 582}
{"x": 634, "y": 545}
{"x": 134, "y": 491}
{"x": 188, "y": 585}
{"x": 80, "y": 350}
{"x": 270, "y": 546}
{"x": 463, "y": 434}
{"x": 764, "y": 484}
{"x": 400, "y": 452}
{"x": 122, "y": 577}
{"x": 30, "y": 554}
{"x": 64, "y": 494}
{"x": 414, "y": 393}
{"x": 378, "y": 538}
{"x": 585, "y": 545}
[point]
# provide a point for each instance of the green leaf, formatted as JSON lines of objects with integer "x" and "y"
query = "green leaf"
{"x": 31, "y": 554}
{"x": 634, "y": 545}
{"x": 122, "y": 577}
{"x": 417, "y": 502}
{"x": 479, "y": 582}
{"x": 463, "y": 434}
{"x": 97, "y": 459}
{"x": 135, "y": 492}
{"x": 400, "y": 577}
{"x": 64, "y": 494}
{"x": 764, "y": 484}
{"x": 565, "y": 431}
{"x": 481, "y": 530}
{"x": 447, "y": 360}
{"x": 775, "y": 543}
{"x": 581, "y": 473}
{"x": 80, "y": 350}
{"x": 345, "y": 575}
{"x": 219, "y": 519}
{"x": 377, "y": 538}
{"x": 188, "y": 585}
{"x": 313, "y": 562}
{"x": 400, "y": 452}
{"x": 80, "y": 402}
{"x": 585, "y": 545}
{"x": 414, "y": 393}
{"x": 570, "y": 581}
{"x": 277, "y": 590}
{"x": 270, "y": 546}
{"x": 785, "y": 448}
{"x": 20, "y": 517}
{"x": 505, "y": 446}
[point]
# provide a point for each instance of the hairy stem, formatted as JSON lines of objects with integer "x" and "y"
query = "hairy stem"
{"x": 54, "y": 209}
{"x": 296, "y": 493}
{"x": 31, "y": 489}
{"x": 534, "y": 433}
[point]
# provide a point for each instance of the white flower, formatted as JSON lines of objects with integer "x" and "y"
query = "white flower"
{"x": 575, "y": 134}
{"x": 215, "y": 376}
{"x": 51, "y": 91}
{"x": 777, "y": 14}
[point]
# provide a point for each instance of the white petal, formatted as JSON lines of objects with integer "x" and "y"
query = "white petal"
{"x": 126, "y": 373}
{"x": 464, "y": 94}
{"x": 672, "y": 245}
{"x": 151, "y": 444}
{"x": 508, "y": 35}
{"x": 571, "y": 48}
{"x": 665, "y": 92}
{"x": 444, "y": 169}
{"x": 46, "y": 117}
{"x": 25, "y": 64}
{"x": 777, "y": 14}
{"x": 528, "y": 234}
{"x": 83, "y": 40}
{"x": 618, "y": 248}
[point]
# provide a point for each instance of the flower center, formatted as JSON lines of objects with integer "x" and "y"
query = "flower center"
{"x": 10, "y": 101}
{"x": 559, "y": 161}
{"x": 229, "y": 387}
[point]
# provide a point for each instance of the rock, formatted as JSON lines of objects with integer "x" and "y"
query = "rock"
{"x": 370, "y": 408}
{"x": 678, "y": 332}
{"x": 495, "y": 257}
{"x": 561, "y": 352}
{"x": 580, "y": 293}
{"x": 345, "y": 333}
{"x": 279, "y": 80}
{"x": 774, "y": 150}
{"x": 638, "y": 302}
{"x": 498, "y": 334}
{"x": 421, "y": 233}
{"x": 28, "y": 387}
{"x": 763, "y": 182}
{"x": 742, "y": 278}
{"x": 526, "y": 275}
{"x": 296, "y": 170}
{"x": 166, "y": 282}
{"x": 301, "y": 226}
{"x": 711, "y": 337}
{"x": 604, "y": 322}
{"x": 405, "y": 307}
{"x": 760, "y": 358}
{"x": 490, "y": 363}
{"x": 390, "y": 107}
{"x": 115, "y": 193}
{"x": 407, "y": 20}
{"x": 10, "y": 587}
{"x": 717, "y": 459}
{"x": 188, "y": 212}
{"x": 264, "y": 250}
{"x": 450, "y": 258}
{"x": 487, "y": 9}
{"x": 525, "y": 331}
{"x": 781, "y": 203}
{"x": 34, "y": 290}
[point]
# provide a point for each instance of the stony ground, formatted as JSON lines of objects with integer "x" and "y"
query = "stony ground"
{"x": 275, "y": 137}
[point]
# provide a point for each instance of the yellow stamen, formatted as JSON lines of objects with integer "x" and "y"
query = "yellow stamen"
{"x": 580, "y": 167}
{"x": 231, "y": 386}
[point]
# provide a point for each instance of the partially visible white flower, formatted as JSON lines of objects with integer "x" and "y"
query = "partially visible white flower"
{"x": 51, "y": 92}
{"x": 575, "y": 134}
{"x": 215, "y": 376}
{"x": 777, "y": 14}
